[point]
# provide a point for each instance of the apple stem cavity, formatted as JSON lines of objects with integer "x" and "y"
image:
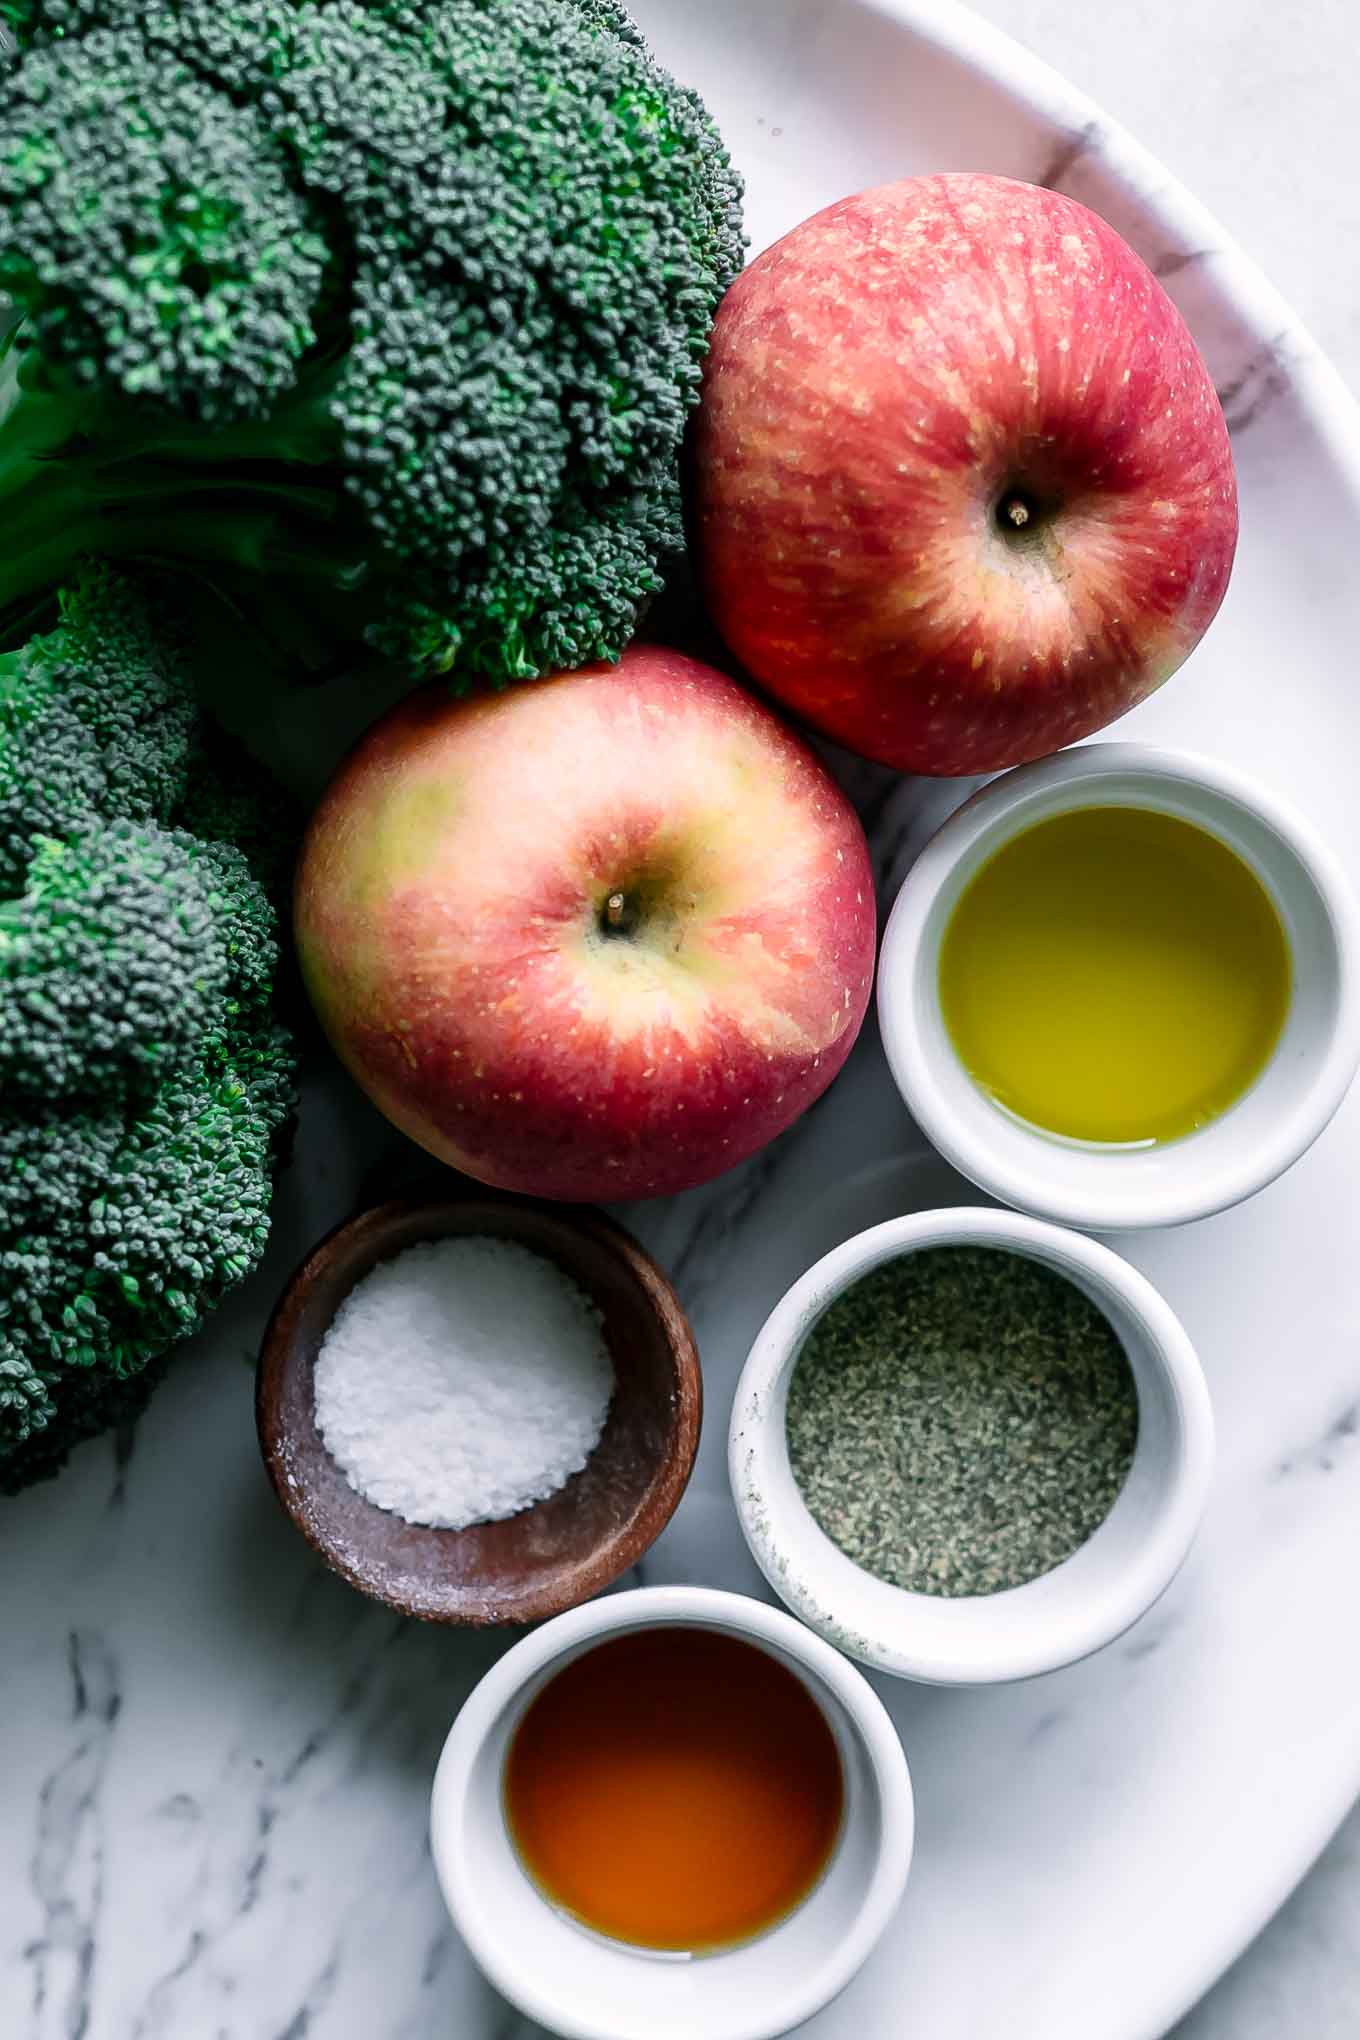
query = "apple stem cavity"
{"x": 619, "y": 915}
{"x": 1023, "y": 516}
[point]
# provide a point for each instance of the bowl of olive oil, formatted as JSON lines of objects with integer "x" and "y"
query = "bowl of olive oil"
{"x": 1118, "y": 988}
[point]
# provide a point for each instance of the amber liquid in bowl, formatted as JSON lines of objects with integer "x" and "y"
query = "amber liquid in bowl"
{"x": 676, "y": 1789}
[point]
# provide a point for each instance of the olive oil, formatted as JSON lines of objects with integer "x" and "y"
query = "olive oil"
{"x": 1116, "y": 975}
{"x": 674, "y": 1788}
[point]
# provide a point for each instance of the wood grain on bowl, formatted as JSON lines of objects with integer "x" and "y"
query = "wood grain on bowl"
{"x": 548, "y": 1557}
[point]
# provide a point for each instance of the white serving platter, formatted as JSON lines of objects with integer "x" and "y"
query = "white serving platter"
{"x": 217, "y": 1757}
{"x": 1096, "y": 1847}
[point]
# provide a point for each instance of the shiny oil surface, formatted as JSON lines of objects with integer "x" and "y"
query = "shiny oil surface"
{"x": 1115, "y": 974}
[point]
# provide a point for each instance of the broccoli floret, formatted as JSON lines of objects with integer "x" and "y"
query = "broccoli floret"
{"x": 203, "y": 291}
{"x": 145, "y": 1085}
{"x": 400, "y": 311}
{"x": 97, "y": 721}
{"x": 91, "y": 1402}
{"x": 112, "y": 964}
{"x": 160, "y": 1208}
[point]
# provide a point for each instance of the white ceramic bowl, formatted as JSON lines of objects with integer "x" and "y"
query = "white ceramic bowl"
{"x": 1065, "y": 1614}
{"x": 591, "y": 1989}
{"x": 1110, "y": 1189}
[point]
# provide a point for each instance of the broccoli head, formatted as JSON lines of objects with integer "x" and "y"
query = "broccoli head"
{"x": 112, "y": 963}
{"x": 145, "y": 1085}
{"x": 96, "y": 720}
{"x": 395, "y": 314}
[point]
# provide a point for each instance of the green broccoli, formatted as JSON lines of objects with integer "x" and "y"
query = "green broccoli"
{"x": 96, "y": 721}
{"x": 390, "y": 315}
{"x": 145, "y": 1087}
{"x": 112, "y": 964}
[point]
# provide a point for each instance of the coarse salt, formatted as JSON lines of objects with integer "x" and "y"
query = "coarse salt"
{"x": 462, "y": 1381}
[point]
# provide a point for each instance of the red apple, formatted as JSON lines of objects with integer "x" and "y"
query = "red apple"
{"x": 600, "y": 936}
{"x": 963, "y": 487}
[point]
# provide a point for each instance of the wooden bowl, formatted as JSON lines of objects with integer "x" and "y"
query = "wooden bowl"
{"x": 550, "y": 1556}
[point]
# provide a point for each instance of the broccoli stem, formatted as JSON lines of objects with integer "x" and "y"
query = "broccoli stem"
{"x": 47, "y": 420}
{"x": 67, "y": 529}
{"x": 81, "y": 474}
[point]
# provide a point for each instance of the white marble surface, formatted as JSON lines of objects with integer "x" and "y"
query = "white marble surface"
{"x": 216, "y": 1758}
{"x": 1253, "y": 103}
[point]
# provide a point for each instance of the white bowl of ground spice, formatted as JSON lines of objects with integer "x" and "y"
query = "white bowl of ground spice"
{"x": 971, "y": 1446}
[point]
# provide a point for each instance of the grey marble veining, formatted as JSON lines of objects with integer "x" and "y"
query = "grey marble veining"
{"x": 1252, "y": 103}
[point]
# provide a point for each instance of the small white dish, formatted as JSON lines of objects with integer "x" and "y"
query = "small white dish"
{"x": 1110, "y": 1189}
{"x": 587, "y": 1988}
{"x": 1085, "y": 1602}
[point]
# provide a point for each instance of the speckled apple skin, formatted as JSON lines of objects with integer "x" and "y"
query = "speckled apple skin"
{"x": 877, "y": 381}
{"x": 448, "y": 907}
